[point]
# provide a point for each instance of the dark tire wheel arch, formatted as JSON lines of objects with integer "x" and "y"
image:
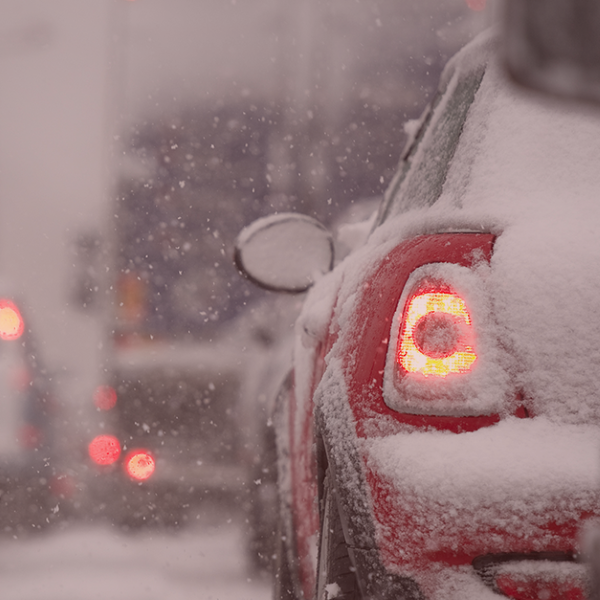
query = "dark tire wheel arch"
{"x": 336, "y": 575}
{"x": 338, "y": 461}
{"x": 283, "y": 583}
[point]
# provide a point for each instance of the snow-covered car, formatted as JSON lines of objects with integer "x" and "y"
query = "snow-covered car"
{"x": 166, "y": 438}
{"x": 439, "y": 437}
{"x": 34, "y": 490}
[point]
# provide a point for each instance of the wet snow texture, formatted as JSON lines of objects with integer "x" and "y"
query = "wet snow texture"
{"x": 530, "y": 171}
{"x": 512, "y": 478}
{"x": 97, "y": 564}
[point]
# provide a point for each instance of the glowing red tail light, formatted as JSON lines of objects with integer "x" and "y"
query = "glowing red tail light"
{"x": 11, "y": 321}
{"x": 139, "y": 464}
{"x": 436, "y": 337}
{"x": 104, "y": 449}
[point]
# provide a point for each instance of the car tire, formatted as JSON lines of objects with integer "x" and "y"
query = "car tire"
{"x": 262, "y": 504}
{"x": 336, "y": 575}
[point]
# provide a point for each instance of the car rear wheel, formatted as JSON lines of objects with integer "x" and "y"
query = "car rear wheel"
{"x": 336, "y": 577}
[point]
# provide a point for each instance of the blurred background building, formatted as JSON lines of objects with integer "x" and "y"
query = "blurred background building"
{"x": 241, "y": 109}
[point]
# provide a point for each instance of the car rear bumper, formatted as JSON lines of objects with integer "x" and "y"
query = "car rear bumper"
{"x": 521, "y": 486}
{"x": 425, "y": 506}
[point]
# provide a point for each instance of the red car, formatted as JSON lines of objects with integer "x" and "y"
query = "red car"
{"x": 439, "y": 434}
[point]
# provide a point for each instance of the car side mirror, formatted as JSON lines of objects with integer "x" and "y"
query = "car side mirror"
{"x": 286, "y": 252}
{"x": 552, "y": 46}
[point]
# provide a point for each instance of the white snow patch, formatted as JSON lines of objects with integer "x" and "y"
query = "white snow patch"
{"x": 91, "y": 563}
{"x": 517, "y": 458}
{"x": 332, "y": 590}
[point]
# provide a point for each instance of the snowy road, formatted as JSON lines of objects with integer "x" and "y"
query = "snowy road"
{"x": 96, "y": 563}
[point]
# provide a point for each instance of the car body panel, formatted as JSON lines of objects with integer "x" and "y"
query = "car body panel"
{"x": 426, "y": 496}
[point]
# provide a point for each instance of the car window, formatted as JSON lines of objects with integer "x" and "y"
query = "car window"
{"x": 406, "y": 159}
{"x": 426, "y": 161}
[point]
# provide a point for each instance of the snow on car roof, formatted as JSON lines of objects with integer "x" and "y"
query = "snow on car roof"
{"x": 527, "y": 170}
{"x": 522, "y": 155}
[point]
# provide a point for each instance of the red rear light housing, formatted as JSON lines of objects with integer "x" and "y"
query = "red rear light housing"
{"x": 443, "y": 357}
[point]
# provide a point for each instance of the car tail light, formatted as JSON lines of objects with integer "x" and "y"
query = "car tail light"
{"x": 104, "y": 449}
{"x": 105, "y": 397}
{"x": 139, "y": 464}
{"x": 436, "y": 337}
{"x": 11, "y": 321}
{"x": 444, "y": 358}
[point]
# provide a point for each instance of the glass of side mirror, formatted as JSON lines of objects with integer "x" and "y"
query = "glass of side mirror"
{"x": 286, "y": 252}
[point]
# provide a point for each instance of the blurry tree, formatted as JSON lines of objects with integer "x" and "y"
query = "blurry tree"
{"x": 189, "y": 185}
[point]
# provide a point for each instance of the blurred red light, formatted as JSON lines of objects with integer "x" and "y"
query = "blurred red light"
{"x": 139, "y": 464}
{"x": 30, "y": 436}
{"x": 62, "y": 486}
{"x": 105, "y": 397}
{"x": 11, "y": 321}
{"x": 104, "y": 449}
{"x": 476, "y": 4}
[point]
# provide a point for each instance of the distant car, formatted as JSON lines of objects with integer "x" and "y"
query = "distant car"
{"x": 166, "y": 437}
{"x": 33, "y": 489}
{"x": 439, "y": 436}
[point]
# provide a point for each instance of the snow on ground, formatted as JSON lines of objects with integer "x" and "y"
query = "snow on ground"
{"x": 96, "y": 562}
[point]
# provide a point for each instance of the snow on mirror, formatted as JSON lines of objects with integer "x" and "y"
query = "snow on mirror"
{"x": 287, "y": 252}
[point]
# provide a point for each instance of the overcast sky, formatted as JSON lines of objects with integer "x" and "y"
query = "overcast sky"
{"x": 180, "y": 51}
{"x": 184, "y": 51}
